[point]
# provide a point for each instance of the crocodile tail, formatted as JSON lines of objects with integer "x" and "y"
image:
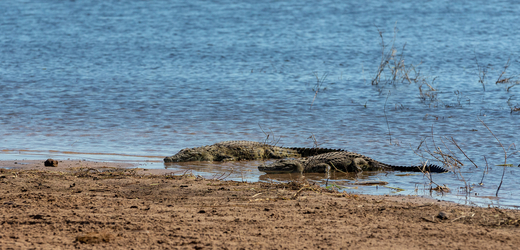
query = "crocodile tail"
{"x": 428, "y": 168}
{"x": 305, "y": 152}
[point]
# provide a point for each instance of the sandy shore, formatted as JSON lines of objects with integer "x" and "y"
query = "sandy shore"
{"x": 93, "y": 205}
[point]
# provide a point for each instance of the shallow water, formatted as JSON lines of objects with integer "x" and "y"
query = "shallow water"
{"x": 140, "y": 80}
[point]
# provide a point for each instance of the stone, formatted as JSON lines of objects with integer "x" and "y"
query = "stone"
{"x": 443, "y": 215}
{"x": 51, "y": 163}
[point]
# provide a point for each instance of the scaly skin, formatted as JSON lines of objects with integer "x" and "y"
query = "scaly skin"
{"x": 343, "y": 161}
{"x": 242, "y": 150}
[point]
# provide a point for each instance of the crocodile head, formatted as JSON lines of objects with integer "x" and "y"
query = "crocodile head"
{"x": 190, "y": 154}
{"x": 283, "y": 166}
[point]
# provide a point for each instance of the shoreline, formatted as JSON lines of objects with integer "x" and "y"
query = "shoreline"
{"x": 94, "y": 204}
{"x": 62, "y": 164}
{"x": 70, "y": 166}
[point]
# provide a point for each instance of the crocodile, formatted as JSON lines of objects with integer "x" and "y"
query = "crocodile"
{"x": 342, "y": 161}
{"x": 243, "y": 150}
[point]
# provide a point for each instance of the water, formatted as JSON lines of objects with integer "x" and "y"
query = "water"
{"x": 140, "y": 80}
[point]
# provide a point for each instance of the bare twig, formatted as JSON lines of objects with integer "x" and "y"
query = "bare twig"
{"x": 319, "y": 84}
{"x": 384, "y": 60}
{"x": 266, "y": 134}
{"x": 315, "y": 142}
{"x": 449, "y": 159}
{"x": 505, "y": 80}
{"x": 505, "y": 152}
{"x": 273, "y": 142}
{"x": 484, "y": 172}
{"x": 505, "y": 155}
{"x": 455, "y": 143}
{"x": 501, "y": 181}
{"x": 221, "y": 176}
{"x": 429, "y": 176}
{"x": 452, "y": 156}
{"x": 387, "y": 125}
{"x": 482, "y": 71}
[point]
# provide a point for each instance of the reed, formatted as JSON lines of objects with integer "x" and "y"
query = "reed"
{"x": 505, "y": 155}
{"x": 505, "y": 79}
{"x": 448, "y": 156}
{"x": 270, "y": 138}
{"x": 481, "y": 71}
{"x": 319, "y": 85}
{"x": 393, "y": 69}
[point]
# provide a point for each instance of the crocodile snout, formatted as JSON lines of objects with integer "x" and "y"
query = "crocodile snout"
{"x": 283, "y": 166}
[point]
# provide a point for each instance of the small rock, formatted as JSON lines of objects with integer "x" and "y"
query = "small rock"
{"x": 443, "y": 215}
{"x": 51, "y": 163}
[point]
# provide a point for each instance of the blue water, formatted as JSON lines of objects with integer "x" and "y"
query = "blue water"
{"x": 148, "y": 78}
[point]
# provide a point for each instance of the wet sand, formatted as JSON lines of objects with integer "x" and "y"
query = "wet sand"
{"x": 96, "y": 205}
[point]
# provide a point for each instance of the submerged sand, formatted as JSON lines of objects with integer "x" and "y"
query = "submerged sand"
{"x": 96, "y": 205}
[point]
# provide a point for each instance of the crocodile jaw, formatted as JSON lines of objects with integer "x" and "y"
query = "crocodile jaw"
{"x": 282, "y": 166}
{"x": 189, "y": 154}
